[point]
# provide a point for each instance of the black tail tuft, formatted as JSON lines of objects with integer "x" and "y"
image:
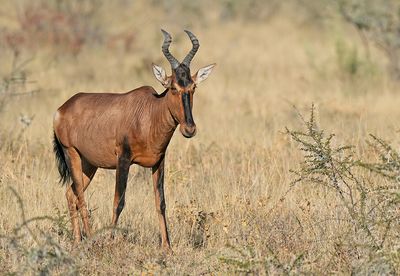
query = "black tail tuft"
{"x": 65, "y": 175}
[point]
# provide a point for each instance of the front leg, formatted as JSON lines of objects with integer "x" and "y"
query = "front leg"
{"x": 158, "y": 184}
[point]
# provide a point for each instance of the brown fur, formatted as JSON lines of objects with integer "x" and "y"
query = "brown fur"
{"x": 96, "y": 124}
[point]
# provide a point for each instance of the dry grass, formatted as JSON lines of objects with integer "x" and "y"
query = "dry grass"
{"x": 230, "y": 203}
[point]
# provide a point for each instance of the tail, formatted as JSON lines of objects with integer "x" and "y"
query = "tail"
{"x": 65, "y": 175}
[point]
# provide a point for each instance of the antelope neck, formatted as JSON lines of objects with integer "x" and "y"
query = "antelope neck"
{"x": 168, "y": 118}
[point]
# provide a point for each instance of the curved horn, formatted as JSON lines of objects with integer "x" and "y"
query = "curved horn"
{"x": 167, "y": 41}
{"x": 192, "y": 52}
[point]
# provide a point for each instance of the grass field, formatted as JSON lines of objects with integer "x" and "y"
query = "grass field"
{"x": 233, "y": 205}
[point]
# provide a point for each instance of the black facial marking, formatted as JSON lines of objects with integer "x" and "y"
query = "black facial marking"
{"x": 187, "y": 109}
{"x": 183, "y": 76}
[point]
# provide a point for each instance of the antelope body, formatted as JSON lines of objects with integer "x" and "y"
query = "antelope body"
{"x": 113, "y": 131}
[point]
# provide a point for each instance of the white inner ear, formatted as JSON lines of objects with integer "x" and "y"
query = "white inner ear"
{"x": 160, "y": 74}
{"x": 203, "y": 73}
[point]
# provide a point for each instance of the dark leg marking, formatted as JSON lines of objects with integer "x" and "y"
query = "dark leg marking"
{"x": 124, "y": 162}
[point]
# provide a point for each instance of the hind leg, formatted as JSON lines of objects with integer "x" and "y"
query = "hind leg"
{"x": 88, "y": 174}
{"x": 76, "y": 166}
{"x": 73, "y": 212}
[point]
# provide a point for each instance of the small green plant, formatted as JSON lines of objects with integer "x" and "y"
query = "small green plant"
{"x": 324, "y": 163}
{"x": 353, "y": 68}
{"x": 348, "y": 59}
{"x": 61, "y": 223}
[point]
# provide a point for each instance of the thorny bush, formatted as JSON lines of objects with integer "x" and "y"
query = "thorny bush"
{"x": 371, "y": 201}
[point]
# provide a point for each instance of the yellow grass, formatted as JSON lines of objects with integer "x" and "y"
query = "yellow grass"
{"x": 228, "y": 188}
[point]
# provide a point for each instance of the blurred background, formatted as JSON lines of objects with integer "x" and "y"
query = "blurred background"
{"x": 230, "y": 184}
{"x": 268, "y": 53}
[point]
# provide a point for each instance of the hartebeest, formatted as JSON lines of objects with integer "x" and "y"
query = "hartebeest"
{"x": 114, "y": 131}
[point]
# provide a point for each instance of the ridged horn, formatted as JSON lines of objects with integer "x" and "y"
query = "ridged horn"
{"x": 196, "y": 45}
{"x": 167, "y": 41}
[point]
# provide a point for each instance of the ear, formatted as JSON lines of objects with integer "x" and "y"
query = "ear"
{"x": 203, "y": 73}
{"x": 160, "y": 75}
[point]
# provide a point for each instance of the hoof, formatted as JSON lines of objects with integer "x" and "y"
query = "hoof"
{"x": 167, "y": 250}
{"x": 76, "y": 242}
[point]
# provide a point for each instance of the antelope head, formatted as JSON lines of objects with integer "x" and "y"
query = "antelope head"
{"x": 181, "y": 84}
